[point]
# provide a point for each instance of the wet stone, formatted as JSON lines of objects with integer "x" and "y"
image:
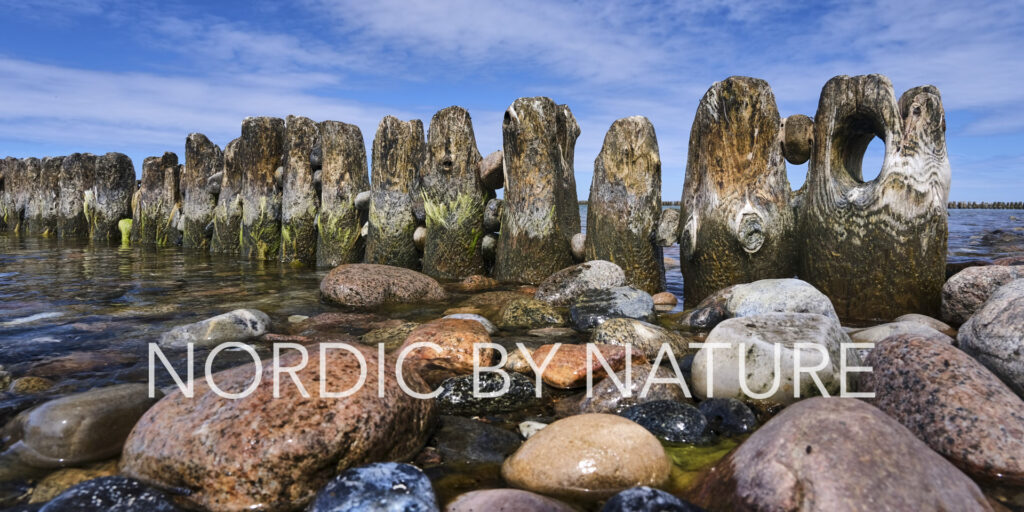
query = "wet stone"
{"x": 645, "y": 338}
{"x": 383, "y": 486}
{"x": 491, "y": 329}
{"x": 112, "y": 494}
{"x": 671, "y": 421}
{"x": 525, "y": 313}
{"x": 593, "y": 307}
{"x": 647, "y": 499}
{"x": 457, "y": 395}
{"x": 728, "y": 417}
{"x": 366, "y": 285}
{"x": 607, "y": 397}
{"x": 467, "y": 442}
{"x": 564, "y": 286}
{"x": 237, "y": 325}
{"x": 29, "y": 385}
{"x": 506, "y": 500}
{"x": 390, "y": 337}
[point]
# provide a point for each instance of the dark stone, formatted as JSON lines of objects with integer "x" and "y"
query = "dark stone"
{"x": 467, "y": 442}
{"x": 541, "y": 212}
{"x": 398, "y": 152}
{"x": 344, "y": 175}
{"x": 594, "y": 306}
{"x": 111, "y": 494}
{"x": 646, "y": 499}
{"x": 671, "y": 421}
{"x": 492, "y": 171}
{"x": 300, "y": 200}
{"x": 379, "y": 487}
{"x": 492, "y": 216}
{"x": 457, "y": 394}
{"x": 728, "y": 417}
{"x": 797, "y": 138}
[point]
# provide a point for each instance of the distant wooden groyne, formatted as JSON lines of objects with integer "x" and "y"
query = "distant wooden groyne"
{"x": 974, "y": 205}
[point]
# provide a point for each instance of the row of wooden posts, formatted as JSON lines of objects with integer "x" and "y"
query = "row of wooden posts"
{"x": 299, "y": 191}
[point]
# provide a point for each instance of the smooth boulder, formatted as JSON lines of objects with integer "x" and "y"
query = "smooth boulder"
{"x": 506, "y": 500}
{"x": 564, "y": 286}
{"x": 965, "y": 293}
{"x": 995, "y": 335}
{"x": 237, "y": 325}
{"x": 593, "y": 307}
{"x": 378, "y": 487}
{"x": 759, "y": 297}
{"x": 367, "y": 285}
{"x": 111, "y": 494}
{"x": 645, "y": 338}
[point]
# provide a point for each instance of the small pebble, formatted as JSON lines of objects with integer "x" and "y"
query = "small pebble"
{"x": 30, "y": 385}
{"x": 529, "y": 428}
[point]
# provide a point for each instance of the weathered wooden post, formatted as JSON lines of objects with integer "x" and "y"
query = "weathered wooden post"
{"x": 111, "y": 196}
{"x": 625, "y": 204}
{"x": 540, "y": 214}
{"x": 737, "y": 225}
{"x": 877, "y": 248}
{"x": 261, "y": 154}
{"x": 299, "y": 199}
{"x": 398, "y": 153}
{"x": 343, "y": 176}
{"x": 202, "y": 160}
{"x": 227, "y": 215}
{"x": 17, "y": 176}
{"x": 159, "y": 199}
{"x": 76, "y": 179}
{"x": 453, "y": 197}
{"x": 42, "y": 211}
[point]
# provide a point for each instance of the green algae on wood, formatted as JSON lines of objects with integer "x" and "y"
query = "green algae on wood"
{"x": 299, "y": 199}
{"x": 343, "y": 175}
{"x": 398, "y": 153}
{"x": 261, "y": 149}
{"x": 76, "y": 178}
{"x": 202, "y": 160}
{"x": 737, "y": 225}
{"x": 453, "y": 197}
{"x": 877, "y": 248}
{"x": 159, "y": 198}
{"x": 42, "y": 210}
{"x": 540, "y": 213}
{"x": 110, "y": 199}
{"x": 17, "y": 177}
{"x": 227, "y": 215}
{"x": 625, "y": 204}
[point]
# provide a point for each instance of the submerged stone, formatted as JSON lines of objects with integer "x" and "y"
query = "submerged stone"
{"x": 378, "y": 487}
{"x": 671, "y": 421}
{"x": 111, "y": 494}
{"x": 237, "y": 325}
{"x": 457, "y": 396}
{"x": 646, "y": 499}
{"x": 728, "y": 417}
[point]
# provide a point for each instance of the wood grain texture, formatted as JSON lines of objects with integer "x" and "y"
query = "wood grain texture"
{"x": 625, "y": 204}
{"x": 227, "y": 215}
{"x": 202, "y": 159}
{"x": 260, "y": 153}
{"x": 343, "y": 176}
{"x": 110, "y": 197}
{"x": 159, "y": 197}
{"x": 737, "y": 225}
{"x": 877, "y": 248}
{"x": 541, "y": 213}
{"x": 398, "y": 154}
{"x": 300, "y": 201}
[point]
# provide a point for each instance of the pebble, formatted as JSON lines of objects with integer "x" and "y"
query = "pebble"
{"x": 969, "y": 289}
{"x": 237, "y": 325}
{"x": 29, "y": 385}
{"x": 671, "y": 421}
{"x": 563, "y": 287}
{"x": 568, "y": 366}
{"x": 467, "y": 442}
{"x": 367, "y": 285}
{"x": 593, "y": 307}
{"x": 607, "y": 398}
{"x": 456, "y": 339}
{"x": 528, "y": 428}
{"x": 645, "y": 338}
{"x": 457, "y": 395}
{"x": 377, "y": 487}
{"x": 111, "y": 494}
{"x": 646, "y": 499}
{"x": 760, "y": 297}
{"x": 524, "y": 313}
{"x": 728, "y": 417}
{"x": 995, "y": 335}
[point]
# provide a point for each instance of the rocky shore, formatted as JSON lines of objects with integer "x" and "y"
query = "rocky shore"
{"x": 473, "y": 353}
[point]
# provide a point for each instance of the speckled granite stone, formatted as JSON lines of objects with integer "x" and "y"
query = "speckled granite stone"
{"x": 274, "y": 453}
{"x": 456, "y": 337}
{"x": 568, "y": 367}
{"x": 366, "y": 284}
{"x": 951, "y": 402}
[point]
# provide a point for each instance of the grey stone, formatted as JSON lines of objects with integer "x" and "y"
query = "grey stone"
{"x": 564, "y": 286}
{"x": 994, "y": 335}
{"x": 667, "y": 234}
{"x": 967, "y": 291}
{"x": 594, "y": 306}
{"x": 237, "y": 325}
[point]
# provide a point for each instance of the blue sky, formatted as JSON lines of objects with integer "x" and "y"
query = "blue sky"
{"x": 98, "y": 76}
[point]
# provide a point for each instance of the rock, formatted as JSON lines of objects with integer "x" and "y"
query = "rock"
{"x": 237, "y": 325}
{"x": 646, "y": 499}
{"x": 110, "y": 198}
{"x": 848, "y": 227}
{"x": 737, "y": 225}
{"x": 5, "y": 378}
{"x": 300, "y": 199}
{"x": 398, "y": 153}
{"x": 203, "y": 159}
{"x": 227, "y": 215}
{"x": 552, "y": 332}
{"x": 79, "y": 428}
{"x": 541, "y": 212}
{"x": 390, "y": 337}
{"x": 526, "y": 313}
{"x": 952, "y": 403}
{"x": 457, "y": 395}
{"x": 760, "y": 297}
{"x": 61, "y": 480}
{"x": 505, "y": 500}
{"x": 466, "y": 442}
{"x": 492, "y": 216}
{"x": 343, "y": 176}
{"x": 568, "y": 366}
{"x": 671, "y": 421}
{"x": 528, "y": 428}
{"x": 667, "y": 233}
{"x": 362, "y": 200}
{"x": 645, "y": 338}
{"x": 728, "y": 417}
{"x": 836, "y": 436}
{"x": 665, "y": 299}
{"x": 159, "y": 198}
{"x": 587, "y": 457}
{"x": 368, "y": 285}
{"x": 762, "y": 335}
{"x": 491, "y": 329}
{"x": 594, "y": 306}
{"x": 995, "y": 335}
{"x": 476, "y": 283}
{"x": 492, "y": 171}
{"x": 607, "y": 398}
{"x": 970, "y": 288}
{"x": 625, "y": 204}
{"x": 261, "y": 150}
{"x": 797, "y": 138}
{"x": 112, "y": 494}
{"x": 29, "y": 385}
{"x": 223, "y": 451}
{"x": 456, "y": 339}
{"x": 453, "y": 197}
{"x": 419, "y": 238}
{"x": 564, "y": 286}
{"x": 880, "y": 332}
{"x": 488, "y": 246}
{"x": 382, "y": 486}
{"x": 927, "y": 321}
{"x": 578, "y": 246}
